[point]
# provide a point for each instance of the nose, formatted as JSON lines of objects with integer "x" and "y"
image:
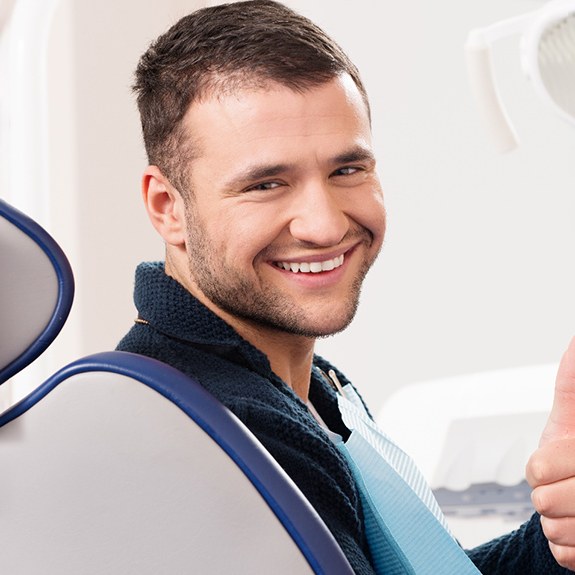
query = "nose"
{"x": 319, "y": 217}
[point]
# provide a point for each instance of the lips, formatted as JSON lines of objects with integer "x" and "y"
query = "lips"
{"x": 311, "y": 267}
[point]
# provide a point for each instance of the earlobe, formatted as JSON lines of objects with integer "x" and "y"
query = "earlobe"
{"x": 164, "y": 205}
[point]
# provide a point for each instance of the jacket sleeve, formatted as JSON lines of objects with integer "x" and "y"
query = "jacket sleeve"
{"x": 524, "y": 551}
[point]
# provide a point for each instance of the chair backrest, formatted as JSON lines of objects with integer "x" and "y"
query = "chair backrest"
{"x": 36, "y": 290}
{"x": 120, "y": 464}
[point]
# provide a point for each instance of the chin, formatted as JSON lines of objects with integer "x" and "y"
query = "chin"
{"x": 333, "y": 330}
{"x": 325, "y": 329}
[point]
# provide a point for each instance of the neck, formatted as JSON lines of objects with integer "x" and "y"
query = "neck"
{"x": 290, "y": 356}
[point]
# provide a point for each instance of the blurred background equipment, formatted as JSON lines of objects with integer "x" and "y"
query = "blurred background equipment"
{"x": 547, "y": 57}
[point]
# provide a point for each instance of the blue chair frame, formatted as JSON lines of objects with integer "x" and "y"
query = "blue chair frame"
{"x": 65, "y": 279}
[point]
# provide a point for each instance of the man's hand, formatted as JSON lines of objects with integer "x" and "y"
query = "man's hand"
{"x": 551, "y": 469}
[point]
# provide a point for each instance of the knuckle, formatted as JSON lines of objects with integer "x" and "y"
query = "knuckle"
{"x": 541, "y": 500}
{"x": 537, "y": 470}
{"x": 552, "y": 530}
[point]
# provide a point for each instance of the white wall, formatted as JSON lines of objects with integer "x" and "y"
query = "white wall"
{"x": 476, "y": 273}
{"x": 97, "y": 163}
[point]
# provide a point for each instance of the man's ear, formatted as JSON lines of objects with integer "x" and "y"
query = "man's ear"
{"x": 165, "y": 206}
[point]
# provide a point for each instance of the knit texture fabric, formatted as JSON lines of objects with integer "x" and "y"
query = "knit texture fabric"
{"x": 183, "y": 333}
{"x": 525, "y": 550}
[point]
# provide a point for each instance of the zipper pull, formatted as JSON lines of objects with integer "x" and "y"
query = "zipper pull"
{"x": 333, "y": 377}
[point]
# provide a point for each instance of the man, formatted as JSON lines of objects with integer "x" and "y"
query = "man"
{"x": 262, "y": 183}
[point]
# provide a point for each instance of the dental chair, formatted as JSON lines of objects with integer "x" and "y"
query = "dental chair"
{"x": 119, "y": 464}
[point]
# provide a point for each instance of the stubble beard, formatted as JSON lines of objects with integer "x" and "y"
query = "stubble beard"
{"x": 262, "y": 304}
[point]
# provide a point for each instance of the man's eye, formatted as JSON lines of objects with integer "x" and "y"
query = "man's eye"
{"x": 264, "y": 186}
{"x": 347, "y": 171}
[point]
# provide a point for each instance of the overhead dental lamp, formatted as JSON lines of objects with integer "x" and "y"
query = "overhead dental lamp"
{"x": 547, "y": 57}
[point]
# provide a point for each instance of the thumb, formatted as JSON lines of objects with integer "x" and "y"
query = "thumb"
{"x": 561, "y": 422}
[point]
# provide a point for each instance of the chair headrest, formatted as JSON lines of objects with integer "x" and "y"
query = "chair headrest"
{"x": 36, "y": 290}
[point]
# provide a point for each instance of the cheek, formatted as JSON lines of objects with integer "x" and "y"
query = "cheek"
{"x": 369, "y": 212}
{"x": 242, "y": 234}
{"x": 380, "y": 216}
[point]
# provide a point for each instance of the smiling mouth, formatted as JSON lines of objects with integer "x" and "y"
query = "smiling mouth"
{"x": 311, "y": 267}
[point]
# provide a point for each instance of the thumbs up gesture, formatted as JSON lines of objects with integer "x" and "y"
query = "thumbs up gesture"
{"x": 551, "y": 469}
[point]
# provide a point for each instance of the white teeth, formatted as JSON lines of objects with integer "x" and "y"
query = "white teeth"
{"x": 312, "y": 267}
{"x": 315, "y": 267}
{"x": 327, "y": 266}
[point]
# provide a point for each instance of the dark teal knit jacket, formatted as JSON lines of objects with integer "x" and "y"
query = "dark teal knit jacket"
{"x": 183, "y": 333}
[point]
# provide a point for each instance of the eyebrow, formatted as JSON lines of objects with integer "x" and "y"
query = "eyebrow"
{"x": 259, "y": 172}
{"x": 264, "y": 171}
{"x": 356, "y": 154}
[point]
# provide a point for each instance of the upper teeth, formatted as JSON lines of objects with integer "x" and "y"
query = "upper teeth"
{"x": 312, "y": 267}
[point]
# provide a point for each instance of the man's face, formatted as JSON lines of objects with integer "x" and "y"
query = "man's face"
{"x": 286, "y": 214}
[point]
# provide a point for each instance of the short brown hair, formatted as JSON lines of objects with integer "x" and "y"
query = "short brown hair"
{"x": 223, "y": 48}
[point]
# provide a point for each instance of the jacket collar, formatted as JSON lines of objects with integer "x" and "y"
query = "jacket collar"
{"x": 171, "y": 309}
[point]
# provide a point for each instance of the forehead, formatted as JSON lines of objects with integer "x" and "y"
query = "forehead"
{"x": 277, "y": 119}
